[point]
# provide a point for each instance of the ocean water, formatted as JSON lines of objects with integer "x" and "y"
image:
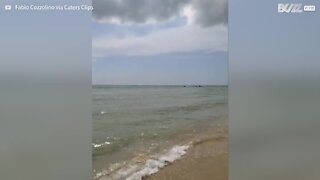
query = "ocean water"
{"x": 138, "y": 129}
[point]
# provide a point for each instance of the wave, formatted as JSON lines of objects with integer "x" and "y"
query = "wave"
{"x": 138, "y": 172}
{"x": 191, "y": 108}
{"x": 101, "y": 145}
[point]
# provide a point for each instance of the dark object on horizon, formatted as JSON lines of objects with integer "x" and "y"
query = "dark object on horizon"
{"x": 193, "y": 86}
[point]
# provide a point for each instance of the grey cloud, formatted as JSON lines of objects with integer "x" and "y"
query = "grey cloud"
{"x": 208, "y": 12}
{"x": 211, "y": 12}
{"x": 137, "y": 11}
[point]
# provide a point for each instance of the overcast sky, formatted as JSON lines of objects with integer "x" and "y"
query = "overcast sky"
{"x": 160, "y": 42}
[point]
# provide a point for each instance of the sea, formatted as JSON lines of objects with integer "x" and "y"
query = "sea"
{"x": 137, "y": 130}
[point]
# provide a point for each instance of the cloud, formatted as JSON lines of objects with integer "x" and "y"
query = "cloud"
{"x": 207, "y": 12}
{"x": 137, "y": 11}
{"x": 204, "y": 30}
{"x": 211, "y": 12}
{"x": 181, "y": 39}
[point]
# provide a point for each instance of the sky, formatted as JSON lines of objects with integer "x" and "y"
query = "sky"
{"x": 168, "y": 42}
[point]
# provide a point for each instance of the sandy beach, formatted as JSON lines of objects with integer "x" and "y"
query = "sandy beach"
{"x": 207, "y": 159}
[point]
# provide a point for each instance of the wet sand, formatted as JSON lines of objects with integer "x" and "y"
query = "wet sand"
{"x": 207, "y": 159}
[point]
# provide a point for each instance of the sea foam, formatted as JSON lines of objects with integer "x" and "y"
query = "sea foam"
{"x": 151, "y": 166}
{"x": 100, "y": 145}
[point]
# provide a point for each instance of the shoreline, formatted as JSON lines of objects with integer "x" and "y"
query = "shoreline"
{"x": 203, "y": 157}
{"x": 207, "y": 158}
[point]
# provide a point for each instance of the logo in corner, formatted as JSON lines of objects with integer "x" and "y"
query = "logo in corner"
{"x": 290, "y": 8}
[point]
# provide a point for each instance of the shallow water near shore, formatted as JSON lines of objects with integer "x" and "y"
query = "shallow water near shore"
{"x": 139, "y": 129}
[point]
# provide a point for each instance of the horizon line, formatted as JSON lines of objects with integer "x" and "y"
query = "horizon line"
{"x": 160, "y": 84}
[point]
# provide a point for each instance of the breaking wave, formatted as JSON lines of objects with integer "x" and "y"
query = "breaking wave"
{"x": 137, "y": 172}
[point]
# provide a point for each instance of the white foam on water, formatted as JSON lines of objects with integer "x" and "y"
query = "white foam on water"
{"x": 100, "y": 145}
{"x": 151, "y": 166}
{"x": 97, "y": 145}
